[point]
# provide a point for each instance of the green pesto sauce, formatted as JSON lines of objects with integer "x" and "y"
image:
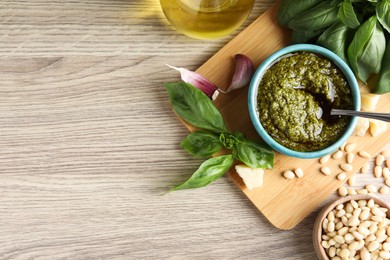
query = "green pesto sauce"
{"x": 292, "y": 94}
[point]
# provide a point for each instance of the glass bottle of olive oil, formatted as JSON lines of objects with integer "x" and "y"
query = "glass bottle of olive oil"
{"x": 206, "y": 19}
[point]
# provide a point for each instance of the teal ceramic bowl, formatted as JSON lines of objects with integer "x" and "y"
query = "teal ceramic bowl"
{"x": 253, "y": 90}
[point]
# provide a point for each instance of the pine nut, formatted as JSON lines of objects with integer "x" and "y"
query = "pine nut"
{"x": 342, "y": 192}
{"x": 349, "y": 237}
{"x": 384, "y": 254}
{"x": 362, "y": 191}
{"x": 337, "y": 155}
{"x": 338, "y": 224}
{"x": 340, "y": 206}
{"x": 380, "y": 232}
{"x": 331, "y": 226}
{"x": 357, "y": 235}
{"x": 383, "y": 190}
{"x": 387, "y": 162}
{"x": 298, "y": 172}
{"x": 325, "y": 170}
{"x": 373, "y": 229}
{"x": 331, "y": 217}
{"x": 353, "y": 246}
{"x": 365, "y": 214}
{"x": 325, "y": 223}
{"x": 371, "y": 188}
{"x": 351, "y": 181}
{"x": 372, "y": 246}
{"x": 350, "y": 147}
{"x": 332, "y": 251}
{"x": 325, "y": 159}
{"x": 386, "y": 173}
{"x": 354, "y": 204}
{"x": 365, "y": 168}
{"x": 340, "y": 213}
{"x": 387, "y": 182}
{"x": 325, "y": 244}
{"x": 346, "y": 167}
{"x": 289, "y": 175}
{"x": 344, "y": 253}
{"x": 352, "y": 192}
{"x": 386, "y": 246}
{"x": 341, "y": 176}
{"x": 378, "y": 212}
{"x": 339, "y": 239}
{"x": 349, "y": 208}
{"x": 370, "y": 203}
{"x": 364, "y": 154}
{"x": 364, "y": 254}
{"x": 364, "y": 231}
{"x": 357, "y": 211}
{"x": 342, "y": 231}
{"x": 342, "y": 147}
{"x": 350, "y": 157}
{"x": 377, "y": 171}
{"x": 370, "y": 237}
{"x": 379, "y": 159}
{"x": 362, "y": 203}
{"x": 353, "y": 221}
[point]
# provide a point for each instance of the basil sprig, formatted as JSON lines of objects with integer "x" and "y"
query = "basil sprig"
{"x": 192, "y": 105}
{"x": 356, "y": 30}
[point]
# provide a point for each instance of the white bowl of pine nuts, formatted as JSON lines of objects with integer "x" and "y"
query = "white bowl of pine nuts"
{"x": 353, "y": 227}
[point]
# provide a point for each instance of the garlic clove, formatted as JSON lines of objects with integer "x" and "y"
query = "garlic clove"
{"x": 197, "y": 81}
{"x": 242, "y": 74}
{"x": 241, "y": 77}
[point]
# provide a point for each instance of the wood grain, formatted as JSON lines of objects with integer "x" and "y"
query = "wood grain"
{"x": 88, "y": 142}
{"x": 283, "y": 202}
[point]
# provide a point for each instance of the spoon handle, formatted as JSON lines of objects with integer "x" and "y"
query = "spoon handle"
{"x": 378, "y": 116}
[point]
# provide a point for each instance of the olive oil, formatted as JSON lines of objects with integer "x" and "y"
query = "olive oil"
{"x": 206, "y": 19}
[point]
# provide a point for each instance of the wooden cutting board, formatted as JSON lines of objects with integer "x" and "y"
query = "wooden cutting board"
{"x": 283, "y": 202}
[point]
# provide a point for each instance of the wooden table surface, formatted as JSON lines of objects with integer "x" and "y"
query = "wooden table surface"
{"x": 89, "y": 144}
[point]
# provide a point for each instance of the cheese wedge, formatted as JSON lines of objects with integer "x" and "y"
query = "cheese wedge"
{"x": 369, "y": 102}
{"x": 362, "y": 126}
{"x": 377, "y": 127}
{"x": 253, "y": 178}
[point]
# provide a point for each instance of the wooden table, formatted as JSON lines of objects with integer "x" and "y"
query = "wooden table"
{"x": 89, "y": 144}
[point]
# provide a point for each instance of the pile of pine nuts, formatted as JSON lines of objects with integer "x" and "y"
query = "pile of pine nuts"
{"x": 356, "y": 230}
{"x": 382, "y": 169}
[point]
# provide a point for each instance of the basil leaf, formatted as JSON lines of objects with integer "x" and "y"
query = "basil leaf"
{"x": 209, "y": 171}
{"x": 367, "y": 48}
{"x": 289, "y": 9}
{"x": 318, "y": 17}
{"x": 304, "y": 36}
{"x": 335, "y": 39}
{"x": 383, "y": 14}
{"x": 201, "y": 144}
{"x": 383, "y": 84}
{"x": 254, "y": 155}
{"x": 192, "y": 105}
{"x": 347, "y": 15}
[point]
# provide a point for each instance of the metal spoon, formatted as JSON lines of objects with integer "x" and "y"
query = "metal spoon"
{"x": 345, "y": 112}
